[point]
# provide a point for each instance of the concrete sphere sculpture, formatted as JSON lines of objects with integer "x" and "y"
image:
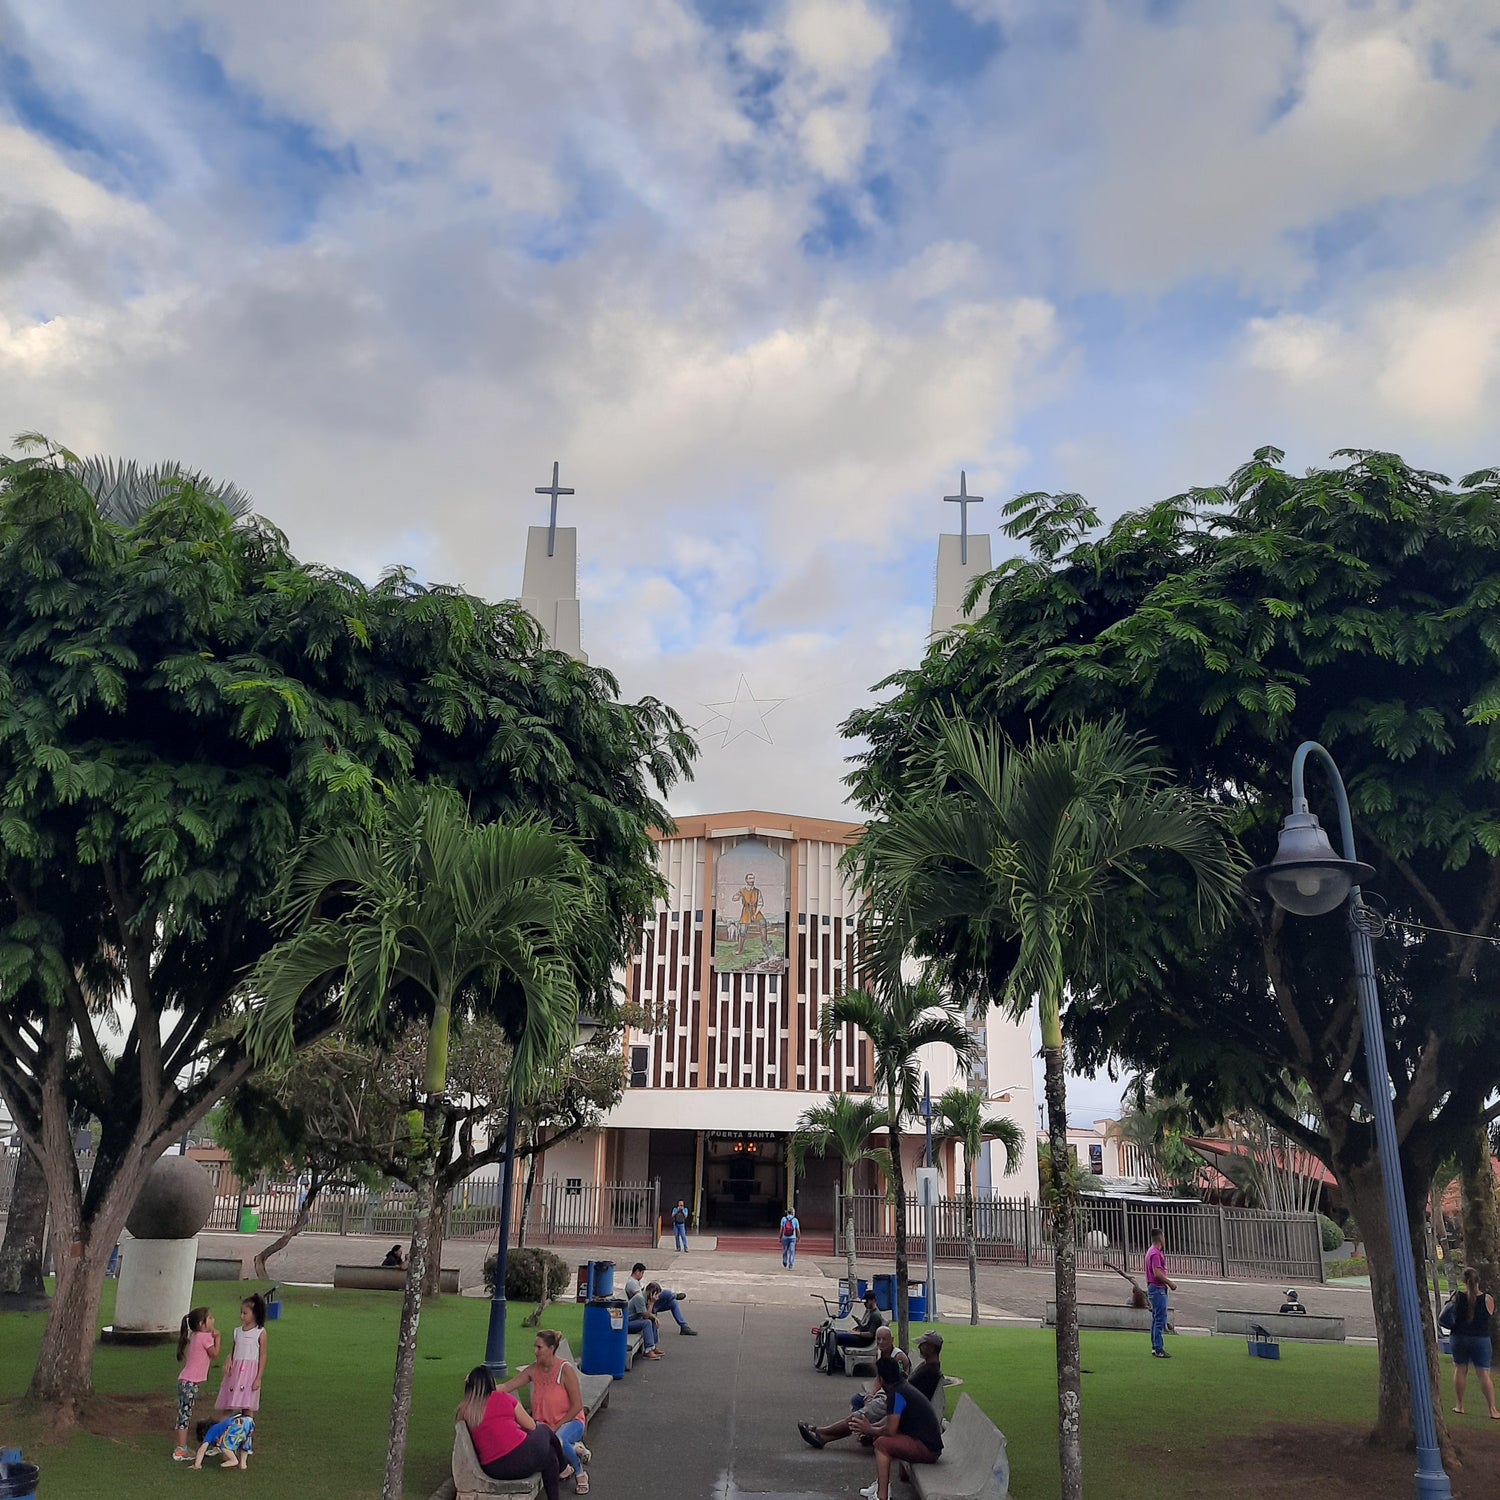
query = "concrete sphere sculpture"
{"x": 175, "y": 1202}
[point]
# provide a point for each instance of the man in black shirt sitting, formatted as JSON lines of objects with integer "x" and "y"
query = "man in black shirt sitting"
{"x": 913, "y": 1432}
{"x": 928, "y": 1376}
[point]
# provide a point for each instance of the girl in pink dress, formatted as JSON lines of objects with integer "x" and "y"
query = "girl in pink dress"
{"x": 197, "y": 1347}
{"x": 247, "y": 1359}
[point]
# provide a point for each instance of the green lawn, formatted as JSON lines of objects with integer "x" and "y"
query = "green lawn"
{"x": 325, "y": 1403}
{"x": 1142, "y": 1418}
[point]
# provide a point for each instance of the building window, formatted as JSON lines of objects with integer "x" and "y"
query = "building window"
{"x": 723, "y": 984}
{"x": 698, "y": 917}
{"x": 825, "y": 919}
{"x": 639, "y": 1057}
{"x": 573, "y": 1187}
{"x": 773, "y": 982}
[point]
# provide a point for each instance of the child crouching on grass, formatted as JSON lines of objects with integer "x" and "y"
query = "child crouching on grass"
{"x": 231, "y": 1437}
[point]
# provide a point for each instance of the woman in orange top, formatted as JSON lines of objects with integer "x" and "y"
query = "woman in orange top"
{"x": 557, "y": 1401}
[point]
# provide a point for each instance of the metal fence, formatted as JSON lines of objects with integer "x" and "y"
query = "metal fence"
{"x": 1202, "y": 1239}
{"x": 612, "y": 1213}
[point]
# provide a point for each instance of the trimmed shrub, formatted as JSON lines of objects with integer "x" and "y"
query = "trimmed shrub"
{"x": 523, "y": 1275}
{"x": 1333, "y": 1236}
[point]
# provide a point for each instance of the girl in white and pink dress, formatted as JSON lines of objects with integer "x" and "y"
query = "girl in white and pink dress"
{"x": 247, "y": 1359}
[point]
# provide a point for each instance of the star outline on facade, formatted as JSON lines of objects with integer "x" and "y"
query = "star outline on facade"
{"x": 733, "y": 718}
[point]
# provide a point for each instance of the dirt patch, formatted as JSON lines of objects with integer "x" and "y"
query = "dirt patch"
{"x": 1330, "y": 1462}
{"x": 118, "y": 1419}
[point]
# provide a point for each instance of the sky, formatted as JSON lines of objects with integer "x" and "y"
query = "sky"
{"x": 763, "y": 276}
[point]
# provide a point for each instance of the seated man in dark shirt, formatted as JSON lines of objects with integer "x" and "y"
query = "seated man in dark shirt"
{"x": 913, "y": 1431}
{"x": 928, "y": 1376}
{"x": 862, "y": 1335}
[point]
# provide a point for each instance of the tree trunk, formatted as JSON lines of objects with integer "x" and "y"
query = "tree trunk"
{"x": 81, "y": 1247}
{"x": 898, "y": 1186}
{"x": 1065, "y": 1271}
{"x": 304, "y": 1217}
{"x": 849, "y": 1235}
{"x": 1480, "y": 1220}
{"x": 411, "y": 1315}
{"x": 1363, "y": 1193}
{"x": 25, "y": 1228}
{"x": 973, "y": 1240}
{"x": 432, "y": 1285}
{"x": 526, "y": 1195}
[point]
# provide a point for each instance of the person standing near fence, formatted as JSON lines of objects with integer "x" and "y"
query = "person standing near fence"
{"x": 1157, "y": 1286}
{"x": 679, "y": 1227}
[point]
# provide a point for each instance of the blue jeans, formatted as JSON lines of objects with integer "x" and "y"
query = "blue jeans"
{"x": 568, "y": 1434}
{"x": 679, "y": 1237}
{"x": 647, "y": 1329}
{"x": 1158, "y": 1295}
{"x": 666, "y": 1302}
{"x": 789, "y": 1252}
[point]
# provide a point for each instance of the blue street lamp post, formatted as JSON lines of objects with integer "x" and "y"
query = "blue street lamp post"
{"x": 932, "y": 1315}
{"x": 1308, "y": 879}
{"x": 494, "y": 1344}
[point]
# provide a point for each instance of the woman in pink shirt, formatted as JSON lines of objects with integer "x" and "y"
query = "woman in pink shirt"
{"x": 197, "y": 1344}
{"x": 508, "y": 1442}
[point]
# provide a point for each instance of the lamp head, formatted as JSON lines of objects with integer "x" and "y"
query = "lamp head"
{"x": 1306, "y": 878}
{"x": 588, "y": 1026}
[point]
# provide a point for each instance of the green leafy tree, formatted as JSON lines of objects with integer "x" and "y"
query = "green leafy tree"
{"x": 180, "y": 700}
{"x": 428, "y": 917}
{"x": 961, "y": 1111}
{"x": 1017, "y": 855}
{"x": 844, "y": 1125}
{"x": 1355, "y": 605}
{"x": 900, "y": 1018}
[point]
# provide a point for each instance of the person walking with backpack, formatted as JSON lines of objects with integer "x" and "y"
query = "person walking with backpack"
{"x": 791, "y": 1232}
{"x": 679, "y": 1227}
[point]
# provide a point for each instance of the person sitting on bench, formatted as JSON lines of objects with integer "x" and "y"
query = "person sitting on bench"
{"x": 666, "y": 1302}
{"x": 394, "y": 1260}
{"x": 912, "y": 1432}
{"x": 868, "y": 1324}
{"x": 871, "y": 1404}
{"x": 641, "y": 1320}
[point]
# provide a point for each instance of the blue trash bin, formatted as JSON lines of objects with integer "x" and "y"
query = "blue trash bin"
{"x": 601, "y": 1279}
{"x": 18, "y": 1481}
{"x": 916, "y": 1306}
{"x": 604, "y": 1338}
{"x": 864, "y": 1286}
{"x": 885, "y": 1293}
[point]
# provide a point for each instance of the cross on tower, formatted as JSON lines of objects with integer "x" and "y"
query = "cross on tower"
{"x": 553, "y": 489}
{"x": 963, "y": 499}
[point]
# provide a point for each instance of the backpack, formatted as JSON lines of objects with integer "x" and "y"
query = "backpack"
{"x": 788, "y": 1227}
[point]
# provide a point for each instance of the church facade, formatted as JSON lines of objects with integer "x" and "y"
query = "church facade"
{"x": 757, "y": 934}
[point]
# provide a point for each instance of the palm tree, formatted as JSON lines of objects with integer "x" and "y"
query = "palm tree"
{"x": 122, "y": 488}
{"x": 1004, "y": 864}
{"x": 429, "y": 917}
{"x": 899, "y": 1021}
{"x": 844, "y": 1124}
{"x": 964, "y": 1120}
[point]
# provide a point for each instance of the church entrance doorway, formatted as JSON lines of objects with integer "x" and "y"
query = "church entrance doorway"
{"x": 744, "y": 1180}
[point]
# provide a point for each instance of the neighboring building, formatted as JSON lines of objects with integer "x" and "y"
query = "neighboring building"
{"x": 756, "y": 936}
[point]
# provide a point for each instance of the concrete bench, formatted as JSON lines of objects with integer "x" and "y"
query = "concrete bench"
{"x": 1108, "y": 1315}
{"x": 593, "y": 1388}
{"x": 387, "y": 1279}
{"x": 219, "y": 1268}
{"x": 1312, "y": 1326}
{"x": 974, "y": 1465}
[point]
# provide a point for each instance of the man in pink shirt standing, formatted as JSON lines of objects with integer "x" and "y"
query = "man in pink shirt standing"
{"x": 1157, "y": 1286}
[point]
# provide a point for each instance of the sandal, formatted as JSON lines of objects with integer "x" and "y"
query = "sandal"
{"x": 584, "y": 1456}
{"x": 581, "y": 1484}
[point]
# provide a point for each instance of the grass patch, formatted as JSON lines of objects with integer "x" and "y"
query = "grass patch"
{"x": 323, "y": 1420}
{"x": 1355, "y": 1265}
{"x": 1143, "y": 1417}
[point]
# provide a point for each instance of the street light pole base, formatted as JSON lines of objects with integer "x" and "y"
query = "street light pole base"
{"x": 1432, "y": 1482}
{"x": 494, "y": 1349}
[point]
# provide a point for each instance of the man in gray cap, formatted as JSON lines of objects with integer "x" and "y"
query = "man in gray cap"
{"x": 928, "y": 1376}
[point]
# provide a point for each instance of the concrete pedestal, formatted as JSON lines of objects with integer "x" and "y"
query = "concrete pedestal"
{"x": 156, "y": 1289}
